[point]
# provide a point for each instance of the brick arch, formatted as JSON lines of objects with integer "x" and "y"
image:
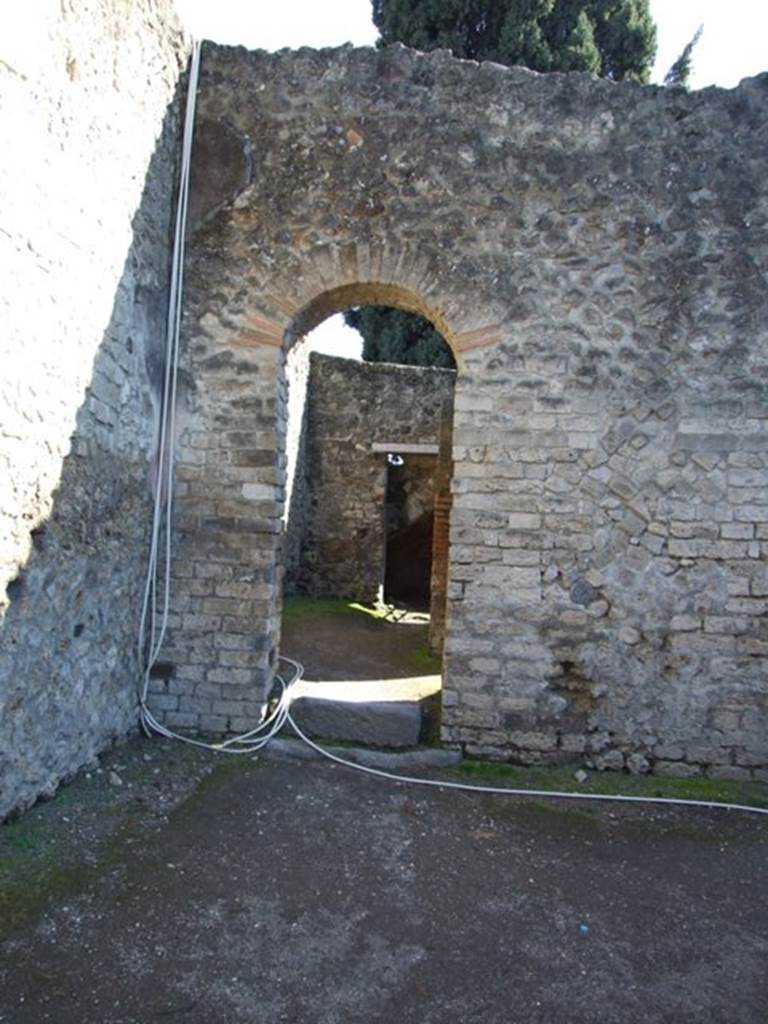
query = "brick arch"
{"x": 281, "y": 314}
{"x": 378, "y": 293}
{"x": 367, "y": 293}
{"x": 368, "y": 499}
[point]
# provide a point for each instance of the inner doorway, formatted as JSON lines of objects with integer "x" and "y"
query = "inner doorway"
{"x": 408, "y": 522}
{"x": 363, "y": 452}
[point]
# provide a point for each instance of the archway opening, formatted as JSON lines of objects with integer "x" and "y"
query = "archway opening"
{"x": 368, "y": 451}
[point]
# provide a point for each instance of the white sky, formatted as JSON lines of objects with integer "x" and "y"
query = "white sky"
{"x": 732, "y": 47}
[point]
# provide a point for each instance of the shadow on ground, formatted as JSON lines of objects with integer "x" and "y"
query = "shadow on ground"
{"x": 276, "y": 891}
{"x": 344, "y": 640}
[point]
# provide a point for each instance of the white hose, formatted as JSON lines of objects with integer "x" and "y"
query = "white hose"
{"x": 149, "y": 646}
{"x": 501, "y": 790}
{"x": 154, "y": 612}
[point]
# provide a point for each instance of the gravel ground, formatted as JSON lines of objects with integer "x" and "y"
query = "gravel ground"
{"x": 200, "y": 889}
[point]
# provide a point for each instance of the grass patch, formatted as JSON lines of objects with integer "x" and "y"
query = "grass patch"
{"x": 409, "y": 649}
{"x": 43, "y": 857}
{"x": 297, "y": 608}
{"x": 542, "y": 810}
{"x": 423, "y": 662}
{"x": 376, "y": 612}
{"x": 223, "y": 768}
{"x": 754, "y": 794}
{"x": 34, "y": 871}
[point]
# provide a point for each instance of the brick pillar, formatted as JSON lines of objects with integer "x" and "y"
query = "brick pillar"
{"x": 441, "y": 531}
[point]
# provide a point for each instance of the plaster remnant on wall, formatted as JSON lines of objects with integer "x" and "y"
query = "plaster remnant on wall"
{"x": 221, "y": 169}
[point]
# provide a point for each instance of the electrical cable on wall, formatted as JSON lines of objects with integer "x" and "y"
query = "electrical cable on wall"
{"x": 156, "y": 600}
{"x": 150, "y": 635}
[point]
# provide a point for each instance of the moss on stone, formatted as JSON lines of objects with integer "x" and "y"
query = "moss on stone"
{"x": 753, "y": 794}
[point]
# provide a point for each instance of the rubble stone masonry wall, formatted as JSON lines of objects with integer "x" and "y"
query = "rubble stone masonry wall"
{"x": 87, "y": 170}
{"x": 595, "y": 253}
{"x": 350, "y": 407}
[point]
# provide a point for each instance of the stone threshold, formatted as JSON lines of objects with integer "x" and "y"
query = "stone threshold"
{"x": 415, "y": 757}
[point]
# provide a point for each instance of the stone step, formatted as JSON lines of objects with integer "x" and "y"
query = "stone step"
{"x": 401, "y": 760}
{"x": 374, "y": 712}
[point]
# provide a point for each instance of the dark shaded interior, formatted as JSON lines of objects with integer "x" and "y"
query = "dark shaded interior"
{"x": 409, "y": 519}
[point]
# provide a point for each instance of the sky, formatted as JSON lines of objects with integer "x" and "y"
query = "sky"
{"x": 732, "y": 47}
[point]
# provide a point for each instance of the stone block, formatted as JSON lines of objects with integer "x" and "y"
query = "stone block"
{"x": 737, "y": 531}
{"x": 533, "y": 740}
{"x": 198, "y": 705}
{"x": 731, "y": 625}
{"x": 216, "y": 724}
{"x": 637, "y": 764}
{"x": 611, "y": 760}
{"x": 227, "y": 675}
{"x": 685, "y": 623}
{"x": 181, "y": 719}
{"x": 164, "y": 702}
{"x": 730, "y": 771}
{"x": 751, "y": 513}
{"x": 669, "y": 751}
{"x": 524, "y": 521}
{"x": 227, "y": 708}
{"x": 676, "y": 769}
{"x": 574, "y": 744}
{"x": 212, "y": 691}
{"x": 378, "y": 724}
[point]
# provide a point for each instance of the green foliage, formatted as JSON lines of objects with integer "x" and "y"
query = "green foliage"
{"x": 680, "y": 72}
{"x": 393, "y": 336}
{"x": 297, "y": 608}
{"x": 612, "y": 38}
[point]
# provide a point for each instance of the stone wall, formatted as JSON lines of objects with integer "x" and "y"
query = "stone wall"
{"x": 595, "y": 254}
{"x": 352, "y": 406}
{"x": 87, "y": 172}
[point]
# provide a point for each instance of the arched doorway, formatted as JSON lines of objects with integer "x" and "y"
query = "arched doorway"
{"x": 367, "y": 443}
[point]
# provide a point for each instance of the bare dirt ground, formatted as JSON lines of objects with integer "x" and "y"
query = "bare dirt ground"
{"x": 368, "y": 676}
{"x": 207, "y": 890}
{"x": 336, "y": 640}
{"x": 169, "y": 884}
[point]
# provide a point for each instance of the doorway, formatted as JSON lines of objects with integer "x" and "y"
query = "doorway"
{"x": 408, "y": 523}
{"x": 359, "y": 534}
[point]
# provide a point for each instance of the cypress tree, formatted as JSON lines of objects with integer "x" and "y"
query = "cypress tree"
{"x": 680, "y": 72}
{"x": 611, "y": 38}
